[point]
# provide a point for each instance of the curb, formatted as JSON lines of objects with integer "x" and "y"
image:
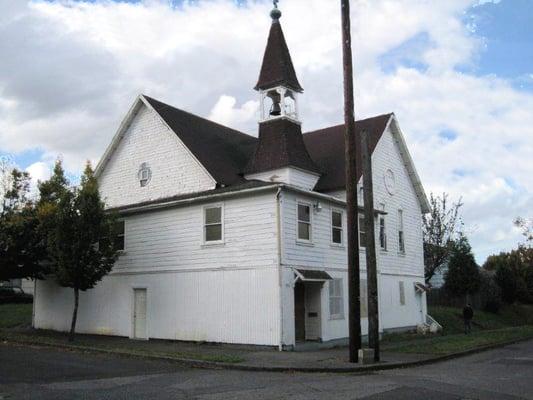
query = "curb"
{"x": 243, "y": 367}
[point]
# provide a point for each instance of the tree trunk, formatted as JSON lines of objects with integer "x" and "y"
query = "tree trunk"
{"x": 354, "y": 311}
{"x": 74, "y": 315}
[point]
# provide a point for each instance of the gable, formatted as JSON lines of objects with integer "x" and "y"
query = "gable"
{"x": 224, "y": 152}
{"x": 146, "y": 139}
{"x": 326, "y": 148}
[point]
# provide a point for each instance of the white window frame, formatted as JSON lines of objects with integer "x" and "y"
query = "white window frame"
{"x": 362, "y": 230}
{"x": 339, "y": 296}
{"x": 341, "y": 227}
{"x": 123, "y": 250}
{"x": 363, "y": 298}
{"x": 401, "y": 233}
{"x": 382, "y": 239}
{"x": 222, "y": 236}
{"x": 401, "y": 288}
{"x": 310, "y": 223}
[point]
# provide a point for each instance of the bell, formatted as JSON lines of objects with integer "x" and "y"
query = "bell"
{"x": 275, "y": 109}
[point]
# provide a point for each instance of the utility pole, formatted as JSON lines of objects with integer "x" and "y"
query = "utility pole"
{"x": 371, "y": 267}
{"x": 354, "y": 312}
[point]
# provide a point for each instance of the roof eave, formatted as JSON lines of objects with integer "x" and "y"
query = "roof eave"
{"x": 409, "y": 164}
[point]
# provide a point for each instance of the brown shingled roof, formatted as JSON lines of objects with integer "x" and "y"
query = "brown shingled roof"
{"x": 223, "y": 151}
{"x": 280, "y": 145}
{"x": 227, "y": 153}
{"x": 277, "y": 68}
{"x": 326, "y": 148}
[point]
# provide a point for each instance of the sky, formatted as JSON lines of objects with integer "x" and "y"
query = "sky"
{"x": 458, "y": 74}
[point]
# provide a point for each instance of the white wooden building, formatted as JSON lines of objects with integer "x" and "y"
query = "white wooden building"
{"x": 237, "y": 239}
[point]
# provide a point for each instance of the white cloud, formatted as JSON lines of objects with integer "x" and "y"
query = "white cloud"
{"x": 39, "y": 171}
{"x": 225, "y": 113}
{"x": 70, "y": 70}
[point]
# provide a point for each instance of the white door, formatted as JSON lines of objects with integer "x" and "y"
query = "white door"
{"x": 139, "y": 314}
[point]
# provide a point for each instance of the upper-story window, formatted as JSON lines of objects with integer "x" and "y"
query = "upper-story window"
{"x": 401, "y": 238}
{"x": 336, "y": 227}
{"x": 304, "y": 222}
{"x": 382, "y": 233}
{"x": 213, "y": 225}
{"x": 362, "y": 232}
{"x": 120, "y": 235}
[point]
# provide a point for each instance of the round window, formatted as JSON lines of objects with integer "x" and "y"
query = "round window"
{"x": 390, "y": 181}
{"x": 144, "y": 175}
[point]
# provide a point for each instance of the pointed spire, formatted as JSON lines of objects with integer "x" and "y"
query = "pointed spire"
{"x": 277, "y": 68}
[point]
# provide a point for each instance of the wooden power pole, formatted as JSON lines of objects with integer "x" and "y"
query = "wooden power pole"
{"x": 354, "y": 312}
{"x": 371, "y": 267}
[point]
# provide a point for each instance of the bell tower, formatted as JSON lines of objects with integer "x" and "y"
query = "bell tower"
{"x": 281, "y": 154}
{"x": 278, "y": 85}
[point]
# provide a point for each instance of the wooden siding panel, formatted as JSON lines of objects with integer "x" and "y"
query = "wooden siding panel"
{"x": 173, "y": 238}
{"x": 174, "y": 170}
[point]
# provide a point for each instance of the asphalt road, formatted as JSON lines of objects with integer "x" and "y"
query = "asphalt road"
{"x": 39, "y": 373}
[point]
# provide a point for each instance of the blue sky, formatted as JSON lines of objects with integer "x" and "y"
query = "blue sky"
{"x": 457, "y": 73}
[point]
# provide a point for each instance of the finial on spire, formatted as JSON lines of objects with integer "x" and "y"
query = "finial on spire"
{"x": 275, "y": 14}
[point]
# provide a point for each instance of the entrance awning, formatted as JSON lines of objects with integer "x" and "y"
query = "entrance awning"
{"x": 420, "y": 287}
{"x": 311, "y": 275}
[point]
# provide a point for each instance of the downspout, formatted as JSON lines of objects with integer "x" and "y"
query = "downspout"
{"x": 33, "y": 303}
{"x": 280, "y": 271}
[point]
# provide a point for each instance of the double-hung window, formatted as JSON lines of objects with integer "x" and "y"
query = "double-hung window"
{"x": 401, "y": 238}
{"x": 336, "y": 227}
{"x": 401, "y": 286}
{"x": 336, "y": 300}
{"x": 213, "y": 227}
{"x": 382, "y": 233}
{"x": 120, "y": 234}
{"x": 117, "y": 237}
{"x": 362, "y": 232}
{"x": 304, "y": 222}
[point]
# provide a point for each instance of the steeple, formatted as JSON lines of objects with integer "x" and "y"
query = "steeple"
{"x": 281, "y": 145}
{"x": 277, "y": 68}
{"x": 277, "y": 84}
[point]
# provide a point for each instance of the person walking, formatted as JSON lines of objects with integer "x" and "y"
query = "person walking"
{"x": 468, "y": 314}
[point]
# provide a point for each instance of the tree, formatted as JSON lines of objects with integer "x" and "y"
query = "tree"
{"x": 462, "y": 277}
{"x": 21, "y": 249}
{"x": 526, "y": 226}
{"x": 440, "y": 229}
{"x": 80, "y": 242}
{"x": 490, "y": 292}
{"x": 513, "y": 273}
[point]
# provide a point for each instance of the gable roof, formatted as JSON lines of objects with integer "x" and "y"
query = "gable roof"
{"x": 277, "y": 68}
{"x": 280, "y": 145}
{"x": 223, "y": 151}
{"x": 326, "y": 148}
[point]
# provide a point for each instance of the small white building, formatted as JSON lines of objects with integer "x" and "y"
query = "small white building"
{"x": 236, "y": 239}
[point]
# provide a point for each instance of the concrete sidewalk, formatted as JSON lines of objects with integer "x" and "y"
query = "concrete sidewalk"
{"x": 213, "y": 355}
{"x": 239, "y": 357}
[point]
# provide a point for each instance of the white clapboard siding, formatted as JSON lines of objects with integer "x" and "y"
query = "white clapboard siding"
{"x": 387, "y": 156}
{"x": 174, "y": 169}
{"x": 173, "y": 238}
{"x": 290, "y": 175}
{"x": 230, "y": 306}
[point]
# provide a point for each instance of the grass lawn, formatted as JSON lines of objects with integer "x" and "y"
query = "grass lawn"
{"x": 13, "y": 315}
{"x": 511, "y": 323}
{"x": 446, "y": 344}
